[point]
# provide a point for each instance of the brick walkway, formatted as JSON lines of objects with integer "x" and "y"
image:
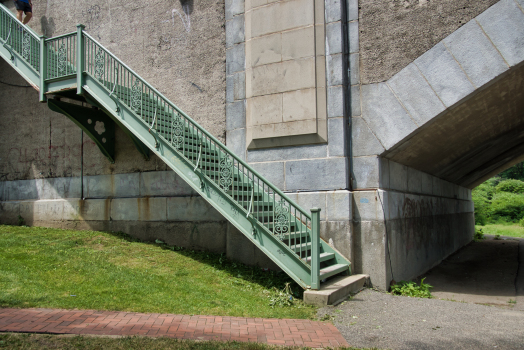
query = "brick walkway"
{"x": 263, "y": 330}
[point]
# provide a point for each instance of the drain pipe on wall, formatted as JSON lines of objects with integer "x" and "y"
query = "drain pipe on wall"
{"x": 346, "y": 86}
{"x": 82, "y": 164}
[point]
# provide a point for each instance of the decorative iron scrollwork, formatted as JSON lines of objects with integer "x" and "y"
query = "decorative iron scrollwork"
{"x": 226, "y": 172}
{"x": 177, "y": 135}
{"x": 100, "y": 59}
{"x": 136, "y": 96}
{"x": 281, "y": 219}
{"x": 62, "y": 59}
{"x": 26, "y": 45}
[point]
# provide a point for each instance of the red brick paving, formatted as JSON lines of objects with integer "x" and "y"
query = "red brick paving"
{"x": 271, "y": 331}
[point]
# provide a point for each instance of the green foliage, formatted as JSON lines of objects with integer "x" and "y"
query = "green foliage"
{"x": 500, "y": 199}
{"x": 511, "y": 185}
{"x": 521, "y": 222}
{"x": 68, "y": 269}
{"x": 281, "y": 298}
{"x": 515, "y": 172}
{"x": 478, "y": 235}
{"x": 505, "y": 229}
{"x": 507, "y": 205}
{"x": 411, "y": 289}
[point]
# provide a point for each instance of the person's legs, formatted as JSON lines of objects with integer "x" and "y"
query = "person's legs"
{"x": 19, "y": 14}
{"x": 28, "y": 16}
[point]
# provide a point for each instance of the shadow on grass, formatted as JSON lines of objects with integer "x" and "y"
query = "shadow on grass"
{"x": 268, "y": 279}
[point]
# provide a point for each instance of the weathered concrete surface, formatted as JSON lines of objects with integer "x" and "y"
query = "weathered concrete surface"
{"x": 474, "y": 140}
{"x": 178, "y": 47}
{"x": 394, "y": 33}
{"x": 399, "y": 236}
{"x": 335, "y": 290}
{"x": 484, "y": 272}
{"x": 457, "y": 111}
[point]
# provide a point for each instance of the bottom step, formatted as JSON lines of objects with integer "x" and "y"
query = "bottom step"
{"x": 335, "y": 290}
{"x": 333, "y": 270}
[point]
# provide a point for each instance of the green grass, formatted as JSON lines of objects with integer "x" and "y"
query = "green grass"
{"x": 53, "y": 268}
{"x": 39, "y": 341}
{"x": 509, "y": 230}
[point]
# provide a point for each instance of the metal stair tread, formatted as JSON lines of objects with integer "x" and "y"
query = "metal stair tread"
{"x": 332, "y": 270}
{"x": 322, "y": 257}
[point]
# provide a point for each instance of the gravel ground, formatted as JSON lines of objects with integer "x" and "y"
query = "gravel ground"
{"x": 385, "y": 321}
{"x": 487, "y": 279}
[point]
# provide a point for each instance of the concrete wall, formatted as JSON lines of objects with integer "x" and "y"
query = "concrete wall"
{"x": 177, "y": 46}
{"x": 410, "y": 224}
{"x": 394, "y": 33}
{"x": 156, "y": 205}
{"x": 297, "y": 158}
{"x": 455, "y": 110}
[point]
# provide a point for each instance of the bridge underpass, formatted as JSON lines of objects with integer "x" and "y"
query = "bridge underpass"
{"x": 448, "y": 121}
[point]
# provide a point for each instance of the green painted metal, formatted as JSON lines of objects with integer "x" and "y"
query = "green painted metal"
{"x": 284, "y": 231}
{"x": 315, "y": 248}
{"x": 95, "y": 123}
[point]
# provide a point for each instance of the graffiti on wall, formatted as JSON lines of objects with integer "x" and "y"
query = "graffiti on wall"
{"x": 91, "y": 17}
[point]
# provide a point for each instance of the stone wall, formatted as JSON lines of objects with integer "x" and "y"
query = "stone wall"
{"x": 309, "y": 153}
{"x": 177, "y": 46}
{"x": 393, "y": 33}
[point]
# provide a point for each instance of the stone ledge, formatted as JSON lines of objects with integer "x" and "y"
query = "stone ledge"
{"x": 335, "y": 290}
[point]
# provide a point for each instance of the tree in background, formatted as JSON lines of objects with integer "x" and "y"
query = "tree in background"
{"x": 501, "y": 198}
{"x": 515, "y": 172}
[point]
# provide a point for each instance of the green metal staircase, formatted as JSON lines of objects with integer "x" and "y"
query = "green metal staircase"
{"x": 76, "y": 66}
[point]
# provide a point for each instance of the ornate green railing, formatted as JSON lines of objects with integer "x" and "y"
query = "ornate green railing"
{"x": 19, "y": 39}
{"x": 283, "y": 230}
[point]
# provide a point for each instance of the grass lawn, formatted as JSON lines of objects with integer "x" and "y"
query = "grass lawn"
{"x": 53, "y": 268}
{"x": 510, "y": 230}
{"x": 39, "y": 341}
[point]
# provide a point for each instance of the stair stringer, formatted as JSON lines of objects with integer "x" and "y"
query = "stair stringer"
{"x": 287, "y": 260}
{"x": 20, "y": 66}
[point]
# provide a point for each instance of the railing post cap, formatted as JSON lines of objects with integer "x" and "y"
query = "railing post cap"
{"x": 80, "y": 26}
{"x": 314, "y": 210}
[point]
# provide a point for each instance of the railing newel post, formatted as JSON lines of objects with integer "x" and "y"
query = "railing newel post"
{"x": 79, "y": 59}
{"x": 315, "y": 248}
{"x": 43, "y": 69}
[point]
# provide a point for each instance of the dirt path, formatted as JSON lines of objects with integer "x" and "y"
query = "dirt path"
{"x": 484, "y": 276}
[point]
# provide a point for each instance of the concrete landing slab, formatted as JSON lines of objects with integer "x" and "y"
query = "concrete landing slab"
{"x": 335, "y": 290}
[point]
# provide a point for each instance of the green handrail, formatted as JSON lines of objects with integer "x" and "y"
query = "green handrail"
{"x": 210, "y": 136}
{"x": 19, "y": 39}
{"x": 78, "y": 55}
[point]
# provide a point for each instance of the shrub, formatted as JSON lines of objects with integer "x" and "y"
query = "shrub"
{"x": 411, "y": 289}
{"x": 511, "y": 186}
{"x": 481, "y": 196}
{"x": 486, "y": 190}
{"x": 521, "y": 222}
{"x": 508, "y": 205}
{"x": 479, "y": 235}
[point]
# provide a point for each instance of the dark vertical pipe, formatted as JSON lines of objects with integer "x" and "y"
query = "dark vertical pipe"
{"x": 347, "y": 88}
{"x": 82, "y": 164}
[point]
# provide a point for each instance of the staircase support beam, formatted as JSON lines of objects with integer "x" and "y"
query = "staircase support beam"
{"x": 87, "y": 119}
